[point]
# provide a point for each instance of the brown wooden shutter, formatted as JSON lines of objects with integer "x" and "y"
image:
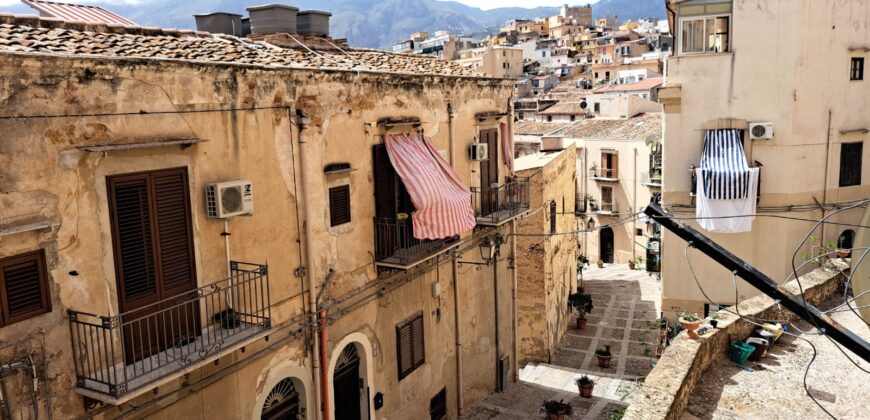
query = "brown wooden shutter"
{"x": 174, "y": 233}
{"x": 418, "y": 341}
{"x": 614, "y": 165}
{"x": 410, "y": 346}
{"x": 339, "y": 205}
{"x": 23, "y": 287}
{"x": 134, "y": 243}
{"x": 385, "y": 182}
{"x": 850, "y": 163}
{"x": 404, "y": 352}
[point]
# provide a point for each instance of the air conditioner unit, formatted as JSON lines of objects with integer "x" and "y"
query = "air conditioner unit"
{"x": 760, "y": 130}
{"x": 478, "y": 151}
{"x": 228, "y": 199}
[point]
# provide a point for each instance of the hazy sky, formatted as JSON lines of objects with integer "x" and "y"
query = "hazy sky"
{"x": 490, "y": 4}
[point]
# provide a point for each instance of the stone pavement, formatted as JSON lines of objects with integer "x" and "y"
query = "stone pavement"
{"x": 626, "y": 305}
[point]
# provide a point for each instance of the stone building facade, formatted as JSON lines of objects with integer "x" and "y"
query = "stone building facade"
{"x": 547, "y": 264}
{"x": 111, "y": 138}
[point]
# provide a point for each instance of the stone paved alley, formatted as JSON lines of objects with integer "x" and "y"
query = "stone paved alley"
{"x": 626, "y": 306}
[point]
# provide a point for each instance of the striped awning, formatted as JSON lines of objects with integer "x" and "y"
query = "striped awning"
{"x": 723, "y": 165}
{"x": 443, "y": 203}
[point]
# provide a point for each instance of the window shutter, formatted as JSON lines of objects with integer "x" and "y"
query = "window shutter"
{"x": 173, "y": 229}
{"x": 614, "y": 165}
{"x": 133, "y": 236}
{"x": 24, "y": 287}
{"x": 405, "y": 353}
{"x": 339, "y": 205}
{"x": 385, "y": 182}
{"x": 850, "y": 163}
{"x": 419, "y": 342}
{"x": 411, "y": 352}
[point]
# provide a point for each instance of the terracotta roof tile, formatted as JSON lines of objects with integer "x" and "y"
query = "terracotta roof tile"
{"x": 535, "y": 128}
{"x": 639, "y": 127}
{"x": 645, "y": 84}
{"x": 564, "y": 108}
{"x": 149, "y": 43}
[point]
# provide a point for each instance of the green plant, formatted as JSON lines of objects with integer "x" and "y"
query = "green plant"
{"x": 819, "y": 250}
{"x": 713, "y": 315}
{"x": 618, "y": 413}
{"x": 675, "y": 331}
{"x": 604, "y": 352}
{"x": 689, "y": 317}
{"x": 583, "y": 380}
{"x": 582, "y": 302}
{"x": 647, "y": 351}
{"x": 557, "y": 407}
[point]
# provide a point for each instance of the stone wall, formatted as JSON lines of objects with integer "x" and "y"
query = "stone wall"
{"x": 667, "y": 388}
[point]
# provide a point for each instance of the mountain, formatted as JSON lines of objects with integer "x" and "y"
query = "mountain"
{"x": 370, "y": 23}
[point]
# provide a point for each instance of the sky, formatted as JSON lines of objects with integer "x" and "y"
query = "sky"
{"x": 491, "y": 4}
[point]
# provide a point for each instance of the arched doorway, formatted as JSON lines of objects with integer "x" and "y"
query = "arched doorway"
{"x": 346, "y": 384}
{"x": 282, "y": 403}
{"x": 605, "y": 245}
{"x": 846, "y": 240}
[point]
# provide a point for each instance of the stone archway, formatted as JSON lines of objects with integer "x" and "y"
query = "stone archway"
{"x": 361, "y": 348}
{"x": 287, "y": 389}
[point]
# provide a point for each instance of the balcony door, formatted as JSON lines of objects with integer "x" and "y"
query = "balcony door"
{"x": 489, "y": 173}
{"x": 605, "y": 244}
{"x": 393, "y": 205}
{"x": 153, "y": 246}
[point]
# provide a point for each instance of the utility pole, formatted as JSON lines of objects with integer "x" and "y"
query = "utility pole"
{"x": 765, "y": 284}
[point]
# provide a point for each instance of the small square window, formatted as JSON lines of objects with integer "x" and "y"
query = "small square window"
{"x": 23, "y": 287}
{"x": 339, "y": 205}
{"x": 857, "y": 69}
{"x": 410, "y": 345}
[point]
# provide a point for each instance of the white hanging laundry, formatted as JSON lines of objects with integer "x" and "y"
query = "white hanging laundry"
{"x": 726, "y": 215}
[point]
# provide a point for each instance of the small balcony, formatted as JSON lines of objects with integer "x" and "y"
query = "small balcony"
{"x": 396, "y": 246}
{"x": 608, "y": 209}
{"x": 497, "y": 205}
{"x": 604, "y": 174}
{"x": 652, "y": 178}
{"x": 583, "y": 204}
{"x": 119, "y": 357}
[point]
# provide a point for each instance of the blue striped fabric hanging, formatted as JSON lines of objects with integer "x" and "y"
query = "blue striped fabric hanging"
{"x": 723, "y": 165}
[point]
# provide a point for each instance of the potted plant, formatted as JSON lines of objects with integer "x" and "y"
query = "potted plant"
{"x": 690, "y": 322}
{"x": 842, "y": 251}
{"x": 582, "y": 302}
{"x": 585, "y": 386}
{"x": 557, "y": 410}
{"x": 638, "y": 263}
{"x": 714, "y": 319}
{"x": 604, "y": 356}
{"x": 600, "y": 263}
{"x": 631, "y": 265}
{"x": 593, "y": 204}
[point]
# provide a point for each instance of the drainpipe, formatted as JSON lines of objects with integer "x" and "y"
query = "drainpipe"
{"x": 495, "y": 299}
{"x": 458, "y": 318}
{"x": 634, "y": 208}
{"x": 514, "y": 299}
{"x": 324, "y": 383}
{"x": 450, "y": 134}
{"x": 317, "y": 352}
{"x": 825, "y": 187}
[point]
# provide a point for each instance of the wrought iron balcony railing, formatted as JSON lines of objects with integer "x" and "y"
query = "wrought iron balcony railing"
{"x": 582, "y": 204}
{"x": 604, "y": 174}
{"x": 115, "y": 356}
{"x": 498, "y": 204}
{"x": 608, "y": 208}
{"x": 396, "y": 246}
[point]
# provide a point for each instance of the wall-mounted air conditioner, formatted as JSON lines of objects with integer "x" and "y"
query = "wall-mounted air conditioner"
{"x": 478, "y": 151}
{"x": 228, "y": 199}
{"x": 760, "y": 130}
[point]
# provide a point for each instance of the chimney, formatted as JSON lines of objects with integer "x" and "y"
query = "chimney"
{"x": 313, "y": 23}
{"x": 273, "y": 18}
{"x": 220, "y": 23}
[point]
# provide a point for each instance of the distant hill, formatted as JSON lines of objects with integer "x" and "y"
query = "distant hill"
{"x": 372, "y": 23}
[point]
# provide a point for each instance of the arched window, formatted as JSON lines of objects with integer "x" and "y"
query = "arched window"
{"x": 282, "y": 402}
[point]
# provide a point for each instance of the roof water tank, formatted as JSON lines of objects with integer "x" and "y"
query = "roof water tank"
{"x": 273, "y": 18}
{"x": 220, "y": 23}
{"x": 313, "y": 23}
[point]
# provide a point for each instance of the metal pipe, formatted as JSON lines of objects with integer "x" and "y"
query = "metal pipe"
{"x": 495, "y": 302}
{"x": 310, "y": 270}
{"x": 450, "y": 134}
{"x": 457, "y": 315}
{"x": 514, "y": 310}
{"x": 324, "y": 383}
{"x": 226, "y": 235}
{"x": 634, "y": 209}
{"x": 825, "y": 187}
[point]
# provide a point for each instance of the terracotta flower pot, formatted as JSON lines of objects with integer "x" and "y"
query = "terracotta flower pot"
{"x": 601, "y": 265}
{"x": 843, "y": 253}
{"x": 586, "y": 390}
{"x": 551, "y": 416}
{"x": 690, "y": 327}
{"x": 604, "y": 361}
{"x": 581, "y": 323}
{"x": 631, "y": 265}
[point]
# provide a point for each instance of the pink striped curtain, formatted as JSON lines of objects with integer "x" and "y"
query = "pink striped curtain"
{"x": 507, "y": 148}
{"x": 443, "y": 203}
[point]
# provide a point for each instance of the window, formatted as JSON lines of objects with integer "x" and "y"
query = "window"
{"x": 857, "y": 69}
{"x": 438, "y": 405}
{"x": 549, "y": 118}
{"x": 850, "y": 163}
{"x": 553, "y": 216}
{"x": 609, "y": 165}
{"x": 573, "y": 118}
{"x": 339, "y": 205}
{"x": 596, "y": 107}
{"x": 606, "y": 199}
{"x": 23, "y": 287}
{"x": 607, "y": 75}
{"x": 705, "y": 34}
{"x": 410, "y": 349}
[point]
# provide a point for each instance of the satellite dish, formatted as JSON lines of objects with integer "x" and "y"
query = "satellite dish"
{"x": 583, "y": 105}
{"x": 652, "y": 141}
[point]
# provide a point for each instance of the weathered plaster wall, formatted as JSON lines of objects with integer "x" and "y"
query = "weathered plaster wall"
{"x": 804, "y": 90}
{"x": 46, "y": 176}
{"x": 546, "y": 269}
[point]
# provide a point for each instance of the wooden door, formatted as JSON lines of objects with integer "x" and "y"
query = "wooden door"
{"x": 605, "y": 244}
{"x": 489, "y": 173}
{"x": 347, "y": 385}
{"x": 153, "y": 246}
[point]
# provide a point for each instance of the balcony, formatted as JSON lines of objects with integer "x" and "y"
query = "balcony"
{"x": 396, "y": 246}
{"x": 497, "y": 205}
{"x": 652, "y": 178}
{"x": 119, "y": 357}
{"x": 582, "y": 204}
{"x": 608, "y": 209}
{"x": 604, "y": 174}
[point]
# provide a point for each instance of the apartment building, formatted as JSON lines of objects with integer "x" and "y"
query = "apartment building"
{"x": 495, "y": 61}
{"x": 546, "y": 274}
{"x": 581, "y": 15}
{"x": 796, "y": 120}
{"x": 195, "y": 225}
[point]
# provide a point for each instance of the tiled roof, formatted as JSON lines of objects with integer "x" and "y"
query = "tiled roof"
{"x": 645, "y": 84}
{"x": 78, "y": 12}
{"x": 639, "y": 127}
{"x": 535, "y": 128}
{"x": 20, "y": 34}
{"x": 564, "y": 108}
